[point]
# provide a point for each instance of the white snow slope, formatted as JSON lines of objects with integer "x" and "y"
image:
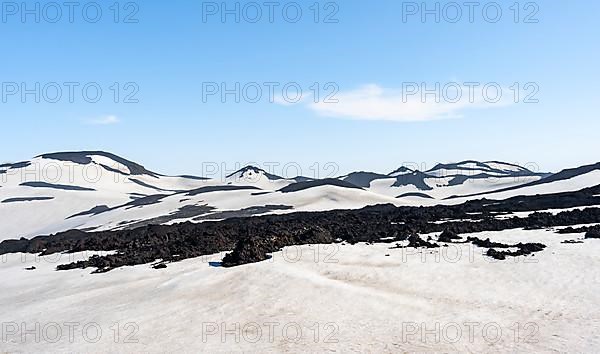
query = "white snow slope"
{"x": 315, "y": 299}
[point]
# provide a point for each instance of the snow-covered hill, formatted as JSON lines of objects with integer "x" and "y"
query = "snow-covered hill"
{"x": 96, "y": 190}
{"x": 445, "y": 180}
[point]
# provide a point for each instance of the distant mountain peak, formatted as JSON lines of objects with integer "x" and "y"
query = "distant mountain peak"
{"x": 400, "y": 171}
{"x": 250, "y": 171}
{"x": 473, "y": 167}
{"x": 84, "y": 158}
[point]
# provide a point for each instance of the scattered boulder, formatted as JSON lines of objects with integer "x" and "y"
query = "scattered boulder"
{"x": 448, "y": 237}
{"x": 496, "y": 254}
{"x": 249, "y": 250}
{"x": 579, "y": 230}
{"x": 523, "y": 249}
{"x": 593, "y": 232}
{"x": 415, "y": 241}
{"x": 487, "y": 243}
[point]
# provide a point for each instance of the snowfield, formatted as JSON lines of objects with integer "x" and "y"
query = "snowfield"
{"x": 316, "y": 298}
{"x": 319, "y": 298}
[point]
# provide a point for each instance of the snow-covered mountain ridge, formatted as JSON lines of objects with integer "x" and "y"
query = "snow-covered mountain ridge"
{"x": 96, "y": 190}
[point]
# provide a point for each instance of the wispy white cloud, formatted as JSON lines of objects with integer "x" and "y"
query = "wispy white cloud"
{"x": 373, "y": 102}
{"x": 105, "y": 120}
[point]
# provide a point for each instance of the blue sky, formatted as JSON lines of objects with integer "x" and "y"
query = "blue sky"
{"x": 370, "y": 55}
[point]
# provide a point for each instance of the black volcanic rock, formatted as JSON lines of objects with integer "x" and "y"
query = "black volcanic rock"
{"x": 487, "y": 243}
{"x": 524, "y": 249}
{"x": 593, "y": 232}
{"x": 249, "y": 250}
{"x": 415, "y": 241}
{"x": 448, "y": 236}
{"x": 256, "y": 248}
{"x": 571, "y": 230}
{"x": 252, "y": 239}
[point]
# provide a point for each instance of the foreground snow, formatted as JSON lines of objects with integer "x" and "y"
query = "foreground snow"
{"x": 315, "y": 298}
